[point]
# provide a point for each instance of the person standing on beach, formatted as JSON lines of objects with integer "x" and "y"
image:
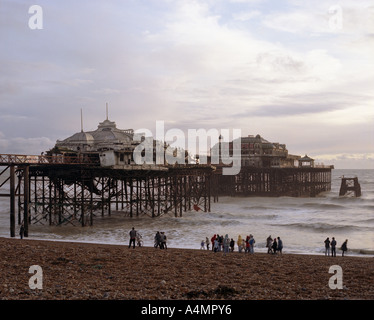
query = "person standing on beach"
{"x": 163, "y": 241}
{"x": 216, "y": 245}
{"x": 269, "y": 242}
{"x": 280, "y": 245}
{"x": 327, "y": 247}
{"x": 207, "y": 243}
{"x": 21, "y": 231}
{"x": 202, "y": 245}
{"x": 213, "y": 239}
{"x": 344, "y": 247}
{"x": 158, "y": 239}
{"x": 247, "y": 245}
{"x": 333, "y": 247}
{"x": 226, "y": 244}
{"x": 232, "y": 245}
{"x": 220, "y": 243}
{"x": 132, "y": 237}
{"x": 251, "y": 244}
{"x": 240, "y": 243}
{"x": 274, "y": 246}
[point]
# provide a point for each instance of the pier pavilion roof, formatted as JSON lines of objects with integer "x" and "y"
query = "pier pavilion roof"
{"x": 80, "y": 137}
{"x": 107, "y": 131}
{"x": 107, "y": 136}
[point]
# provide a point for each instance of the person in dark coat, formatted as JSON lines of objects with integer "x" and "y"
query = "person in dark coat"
{"x": 327, "y": 247}
{"x": 274, "y": 246}
{"x": 333, "y": 247}
{"x": 280, "y": 245}
{"x": 163, "y": 241}
{"x": 232, "y": 245}
{"x": 21, "y": 231}
{"x": 132, "y": 237}
{"x": 158, "y": 242}
{"x": 269, "y": 241}
{"x": 344, "y": 247}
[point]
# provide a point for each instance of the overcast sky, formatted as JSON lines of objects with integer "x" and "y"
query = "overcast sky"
{"x": 295, "y": 72}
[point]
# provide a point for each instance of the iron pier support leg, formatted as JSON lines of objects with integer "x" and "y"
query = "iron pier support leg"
{"x": 26, "y": 200}
{"x": 12, "y": 202}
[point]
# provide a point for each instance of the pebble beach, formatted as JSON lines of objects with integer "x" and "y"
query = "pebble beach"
{"x": 82, "y": 271}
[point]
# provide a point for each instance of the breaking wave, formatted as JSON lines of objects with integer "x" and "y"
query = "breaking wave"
{"x": 321, "y": 227}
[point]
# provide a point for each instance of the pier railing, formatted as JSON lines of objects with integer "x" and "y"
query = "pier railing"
{"x": 11, "y": 159}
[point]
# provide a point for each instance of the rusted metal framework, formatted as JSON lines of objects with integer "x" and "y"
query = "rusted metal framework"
{"x": 273, "y": 182}
{"x": 350, "y": 186}
{"x": 78, "y": 195}
{"x": 75, "y": 189}
{"x": 72, "y": 193}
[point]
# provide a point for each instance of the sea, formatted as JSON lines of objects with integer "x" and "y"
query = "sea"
{"x": 302, "y": 223}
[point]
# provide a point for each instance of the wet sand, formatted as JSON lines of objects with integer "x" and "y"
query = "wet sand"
{"x": 81, "y": 271}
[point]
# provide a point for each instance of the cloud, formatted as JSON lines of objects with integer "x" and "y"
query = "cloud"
{"x": 321, "y": 18}
{"x": 21, "y": 145}
{"x": 280, "y": 62}
{"x": 273, "y": 69}
{"x": 347, "y": 160}
{"x": 298, "y": 21}
{"x": 246, "y": 15}
{"x": 107, "y": 91}
{"x": 248, "y": 1}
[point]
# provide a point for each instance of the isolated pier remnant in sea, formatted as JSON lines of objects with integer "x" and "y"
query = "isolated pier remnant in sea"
{"x": 350, "y": 186}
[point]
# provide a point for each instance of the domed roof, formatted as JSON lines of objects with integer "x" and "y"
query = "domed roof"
{"x": 106, "y": 134}
{"x": 80, "y": 137}
{"x": 107, "y": 131}
{"x": 103, "y": 135}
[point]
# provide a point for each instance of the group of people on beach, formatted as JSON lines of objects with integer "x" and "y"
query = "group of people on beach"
{"x": 224, "y": 243}
{"x": 160, "y": 239}
{"x": 331, "y": 245}
{"x": 274, "y": 245}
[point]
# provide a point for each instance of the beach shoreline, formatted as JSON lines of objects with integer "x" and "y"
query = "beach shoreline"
{"x": 82, "y": 271}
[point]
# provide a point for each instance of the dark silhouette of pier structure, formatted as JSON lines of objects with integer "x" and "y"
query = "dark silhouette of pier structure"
{"x": 350, "y": 186}
{"x": 273, "y": 182}
{"x": 63, "y": 190}
{"x": 76, "y": 190}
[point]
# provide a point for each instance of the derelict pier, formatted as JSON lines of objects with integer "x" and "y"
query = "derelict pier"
{"x": 74, "y": 192}
{"x": 91, "y": 174}
{"x": 273, "y": 182}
